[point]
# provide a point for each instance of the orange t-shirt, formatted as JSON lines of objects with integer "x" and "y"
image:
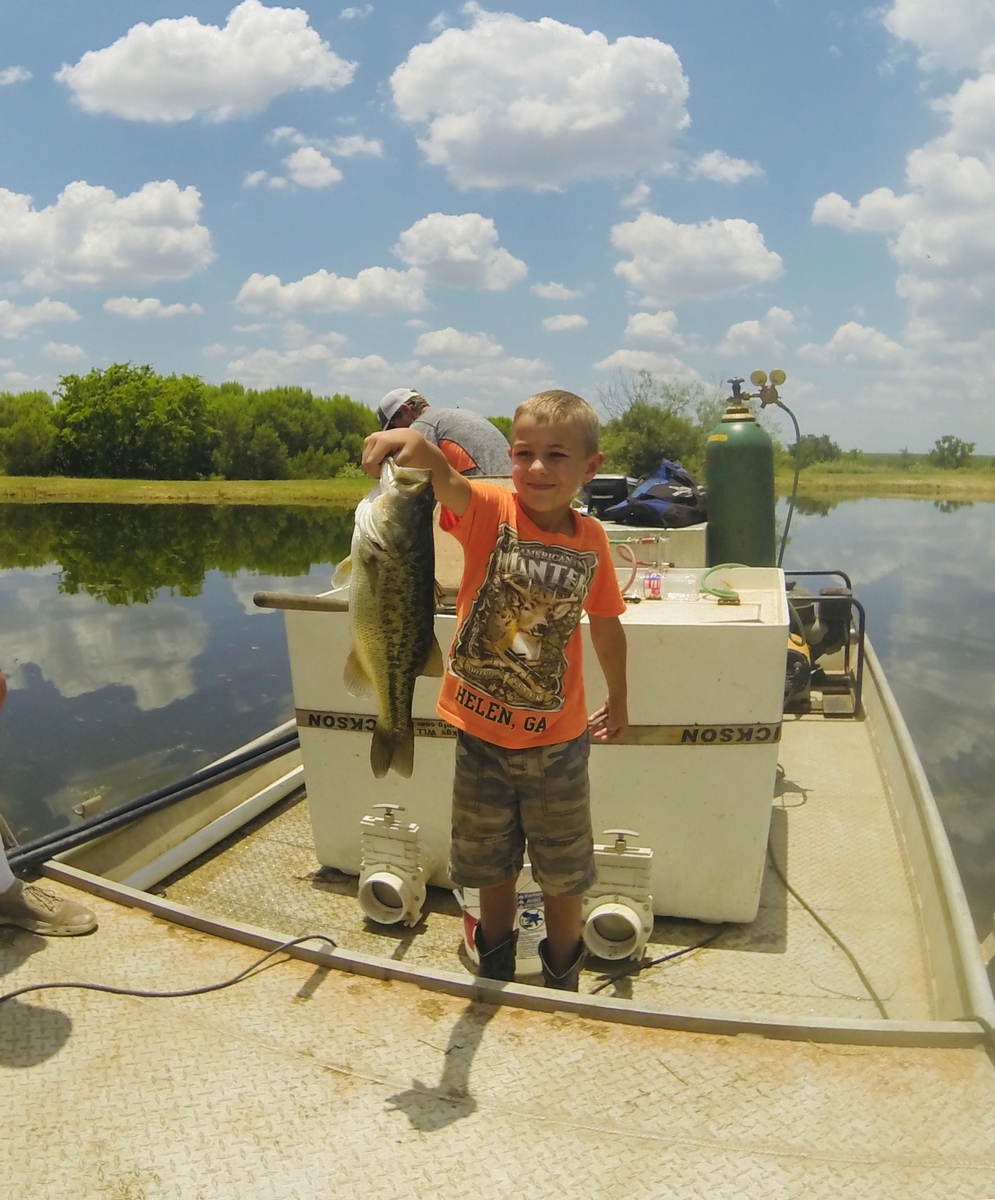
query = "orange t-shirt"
{"x": 514, "y": 675}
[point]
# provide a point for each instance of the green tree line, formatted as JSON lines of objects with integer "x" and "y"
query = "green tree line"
{"x": 129, "y": 422}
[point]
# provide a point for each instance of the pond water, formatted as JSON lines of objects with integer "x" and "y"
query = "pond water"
{"x": 134, "y": 653}
{"x": 132, "y": 649}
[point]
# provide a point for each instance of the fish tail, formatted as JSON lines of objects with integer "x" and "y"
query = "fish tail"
{"x": 392, "y": 748}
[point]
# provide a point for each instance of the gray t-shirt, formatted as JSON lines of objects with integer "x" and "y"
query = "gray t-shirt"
{"x": 483, "y": 443}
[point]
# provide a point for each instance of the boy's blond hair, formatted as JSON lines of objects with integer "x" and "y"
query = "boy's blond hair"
{"x": 557, "y": 405}
{"x": 417, "y": 404}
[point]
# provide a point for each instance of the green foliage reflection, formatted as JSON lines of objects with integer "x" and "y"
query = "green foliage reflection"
{"x": 124, "y": 553}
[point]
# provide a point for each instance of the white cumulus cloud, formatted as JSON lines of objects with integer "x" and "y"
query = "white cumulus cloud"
{"x": 63, "y": 352}
{"x": 540, "y": 103}
{"x": 11, "y": 75}
{"x": 177, "y": 68}
{"x": 637, "y": 197}
{"x": 460, "y": 251}
{"x": 356, "y": 12}
{"x": 563, "y": 322}
{"x": 375, "y": 289}
{"x": 310, "y": 168}
{"x": 720, "y": 168}
{"x": 957, "y": 34}
{"x": 854, "y": 345}
{"x": 659, "y": 328}
{"x": 758, "y": 336}
{"x": 469, "y": 370}
{"x": 346, "y": 146}
{"x": 941, "y": 230}
{"x": 92, "y": 236}
{"x": 555, "y": 291}
{"x": 668, "y": 365}
{"x": 352, "y": 144}
{"x": 151, "y": 308}
{"x": 16, "y": 320}
{"x": 670, "y": 263}
{"x": 453, "y": 343}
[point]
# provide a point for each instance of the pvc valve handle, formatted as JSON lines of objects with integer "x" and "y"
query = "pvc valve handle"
{"x": 389, "y": 810}
{"x": 620, "y": 835}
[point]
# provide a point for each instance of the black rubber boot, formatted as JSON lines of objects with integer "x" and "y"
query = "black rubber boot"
{"x": 498, "y": 963}
{"x": 568, "y": 981}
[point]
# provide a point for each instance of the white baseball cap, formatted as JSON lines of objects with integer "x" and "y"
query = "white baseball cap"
{"x": 388, "y": 406}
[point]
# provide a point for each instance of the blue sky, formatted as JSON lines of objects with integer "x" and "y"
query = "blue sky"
{"x": 479, "y": 202}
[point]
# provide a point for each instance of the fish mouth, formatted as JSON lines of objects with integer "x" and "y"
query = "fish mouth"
{"x": 409, "y": 480}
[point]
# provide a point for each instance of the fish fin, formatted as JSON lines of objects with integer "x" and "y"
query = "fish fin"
{"x": 343, "y": 573}
{"x": 434, "y": 664}
{"x": 392, "y": 748}
{"x": 357, "y": 682}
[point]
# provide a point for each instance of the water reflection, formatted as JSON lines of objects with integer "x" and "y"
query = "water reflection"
{"x": 124, "y": 553}
{"x": 126, "y": 636}
{"x": 926, "y": 573}
{"x": 81, "y": 647}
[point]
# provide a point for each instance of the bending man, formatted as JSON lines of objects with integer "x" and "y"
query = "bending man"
{"x": 471, "y": 444}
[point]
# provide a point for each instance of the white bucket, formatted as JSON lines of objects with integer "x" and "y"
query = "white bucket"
{"x": 530, "y": 922}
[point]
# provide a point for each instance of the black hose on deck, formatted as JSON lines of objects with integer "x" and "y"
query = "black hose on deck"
{"x": 40, "y": 849}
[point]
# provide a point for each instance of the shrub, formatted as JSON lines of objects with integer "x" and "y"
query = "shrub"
{"x": 652, "y": 418}
{"x": 502, "y": 423}
{"x": 130, "y": 423}
{"x": 27, "y": 433}
{"x": 636, "y": 442}
{"x": 950, "y": 452}
{"x": 812, "y": 448}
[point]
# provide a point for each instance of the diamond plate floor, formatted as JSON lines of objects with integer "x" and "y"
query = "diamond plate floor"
{"x": 831, "y": 832}
{"x": 302, "y": 1083}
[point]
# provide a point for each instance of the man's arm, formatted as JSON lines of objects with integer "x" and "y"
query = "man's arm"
{"x": 612, "y": 719}
{"x": 410, "y": 449}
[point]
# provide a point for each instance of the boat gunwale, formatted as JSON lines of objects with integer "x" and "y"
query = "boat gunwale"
{"x": 975, "y": 986}
{"x": 962, "y": 1033}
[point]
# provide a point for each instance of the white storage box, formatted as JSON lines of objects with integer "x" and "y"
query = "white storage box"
{"x": 696, "y": 781}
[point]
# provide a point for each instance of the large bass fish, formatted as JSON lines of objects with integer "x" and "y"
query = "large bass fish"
{"x": 391, "y": 575}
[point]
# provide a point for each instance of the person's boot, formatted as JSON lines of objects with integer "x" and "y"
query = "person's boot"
{"x": 498, "y": 963}
{"x": 31, "y": 907}
{"x": 568, "y": 981}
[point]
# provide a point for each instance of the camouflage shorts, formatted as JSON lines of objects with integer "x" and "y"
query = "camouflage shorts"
{"x": 504, "y": 798}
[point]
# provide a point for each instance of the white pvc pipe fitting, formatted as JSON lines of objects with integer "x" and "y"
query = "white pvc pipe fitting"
{"x": 385, "y": 897}
{"x": 614, "y": 930}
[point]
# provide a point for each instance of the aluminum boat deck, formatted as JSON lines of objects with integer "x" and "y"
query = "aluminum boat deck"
{"x": 304, "y": 1083}
{"x": 309, "y": 1081}
{"x": 831, "y": 835}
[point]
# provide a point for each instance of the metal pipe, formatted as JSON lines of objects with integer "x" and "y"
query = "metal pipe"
{"x": 40, "y": 849}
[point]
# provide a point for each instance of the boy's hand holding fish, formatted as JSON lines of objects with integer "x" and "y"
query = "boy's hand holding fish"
{"x": 408, "y": 448}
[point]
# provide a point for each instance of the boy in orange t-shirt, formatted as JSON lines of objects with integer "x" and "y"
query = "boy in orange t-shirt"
{"x": 514, "y": 687}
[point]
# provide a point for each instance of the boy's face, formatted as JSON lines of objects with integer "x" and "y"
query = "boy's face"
{"x": 549, "y": 462}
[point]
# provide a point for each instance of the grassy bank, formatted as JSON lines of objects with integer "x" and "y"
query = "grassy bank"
{"x": 24, "y": 489}
{"x": 814, "y": 481}
{"x": 884, "y": 482}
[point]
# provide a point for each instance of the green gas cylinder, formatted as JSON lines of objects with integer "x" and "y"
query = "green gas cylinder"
{"x": 739, "y": 475}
